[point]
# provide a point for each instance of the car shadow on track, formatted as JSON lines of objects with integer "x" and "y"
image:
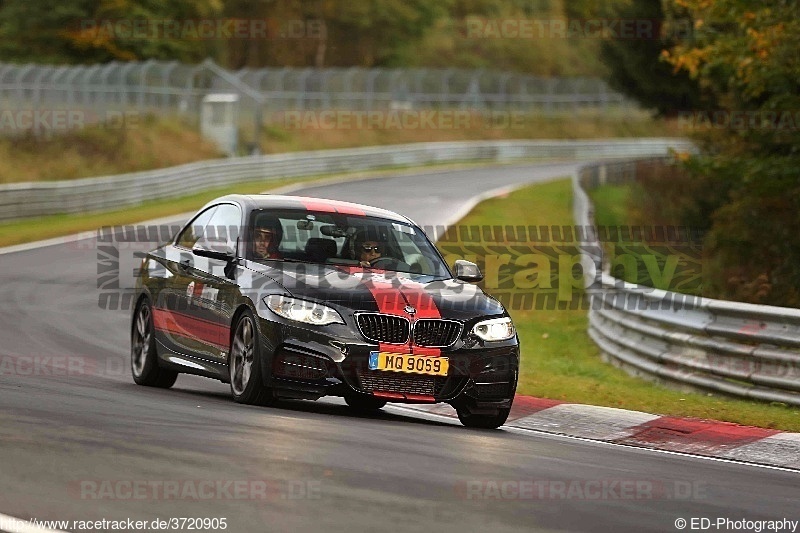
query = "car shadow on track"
{"x": 328, "y": 406}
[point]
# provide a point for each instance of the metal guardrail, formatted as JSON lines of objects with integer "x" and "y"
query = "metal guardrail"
{"x": 20, "y": 200}
{"x": 746, "y": 350}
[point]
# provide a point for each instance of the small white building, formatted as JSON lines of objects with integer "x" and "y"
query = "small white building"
{"x": 219, "y": 119}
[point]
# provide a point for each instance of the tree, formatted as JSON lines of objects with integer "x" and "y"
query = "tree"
{"x": 746, "y": 55}
{"x": 301, "y": 33}
{"x": 33, "y": 31}
{"x": 636, "y": 65}
{"x": 92, "y": 31}
{"x": 472, "y": 36}
{"x": 367, "y": 34}
{"x": 169, "y": 30}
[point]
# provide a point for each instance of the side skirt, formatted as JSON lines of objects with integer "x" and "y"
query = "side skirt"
{"x": 186, "y": 364}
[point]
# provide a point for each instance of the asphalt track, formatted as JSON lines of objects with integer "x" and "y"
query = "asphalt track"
{"x": 74, "y": 444}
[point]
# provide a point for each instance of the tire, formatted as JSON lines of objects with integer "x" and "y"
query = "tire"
{"x": 483, "y": 421}
{"x": 364, "y": 404}
{"x": 144, "y": 359}
{"x": 244, "y": 366}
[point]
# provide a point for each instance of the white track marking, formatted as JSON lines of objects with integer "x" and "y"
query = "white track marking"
{"x": 9, "y": 524}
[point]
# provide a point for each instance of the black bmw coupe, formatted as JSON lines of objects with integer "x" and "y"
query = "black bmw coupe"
{"x": 293, "y": 297}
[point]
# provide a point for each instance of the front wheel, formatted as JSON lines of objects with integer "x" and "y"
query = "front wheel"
{"x": 144, "y": 360}
{"x": 482, "y": 421}
{"x": 244, "y": 365}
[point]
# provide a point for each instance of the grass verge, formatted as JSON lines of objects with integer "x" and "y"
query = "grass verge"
{"x": 677, "y": 264}
{"x": 312, "y": 130}
{"x": 559, "y": 360}
{"x": 99, "y": 150}
{"x": 611, "y": 204}
{"x": 157, "y": 142}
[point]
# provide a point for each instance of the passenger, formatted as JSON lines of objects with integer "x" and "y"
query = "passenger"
{"x": 266, "y": 239}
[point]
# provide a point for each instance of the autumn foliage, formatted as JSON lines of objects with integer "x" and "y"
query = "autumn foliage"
{"x": 745, "y": 187}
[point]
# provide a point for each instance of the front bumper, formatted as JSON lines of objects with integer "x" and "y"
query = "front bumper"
{"x": 332, "y": 361}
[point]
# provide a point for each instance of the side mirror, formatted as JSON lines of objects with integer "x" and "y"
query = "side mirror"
{"x": 215, "y": 249}
{"x": 468, "y": 271}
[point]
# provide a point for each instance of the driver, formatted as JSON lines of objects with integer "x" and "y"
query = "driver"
{"x": 367, "y": 246}
{"x": 368, "y": 251}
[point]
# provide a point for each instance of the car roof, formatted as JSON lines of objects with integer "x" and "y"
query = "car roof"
{"x": 275, "y": 201}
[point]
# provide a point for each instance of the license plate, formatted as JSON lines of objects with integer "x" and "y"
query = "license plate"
{"x": 411, "y": 364}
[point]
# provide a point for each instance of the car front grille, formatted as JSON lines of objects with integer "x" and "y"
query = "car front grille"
{"x": 391, "y": 329}
{"x": 376, "y": 380}
{"x": 436, "y": 333}
{"x": 383, "y": 328}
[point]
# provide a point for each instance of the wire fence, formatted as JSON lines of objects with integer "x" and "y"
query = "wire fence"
{"x": 172, "y": 87}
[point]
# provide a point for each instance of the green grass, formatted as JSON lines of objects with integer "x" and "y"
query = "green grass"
{"x": 287, "y": 135}
{"x": 613, "y": 209}
{"x": 156, "y": 142}
{"x": 559, "y": 360}
{"x": 97, "y": 150}
{"x": 611, "y": 204}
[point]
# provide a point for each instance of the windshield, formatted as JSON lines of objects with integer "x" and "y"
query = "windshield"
{"x": 339, "y": 239}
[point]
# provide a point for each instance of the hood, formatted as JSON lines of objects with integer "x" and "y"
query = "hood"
{"x": 364, "y": 289}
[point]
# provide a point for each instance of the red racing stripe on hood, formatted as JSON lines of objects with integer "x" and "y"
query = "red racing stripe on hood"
{"x": 392, "y": 299}
{"x": 414, "y": 293}
{"x": 420, "y": 300}
{"x": 388, "y": 299}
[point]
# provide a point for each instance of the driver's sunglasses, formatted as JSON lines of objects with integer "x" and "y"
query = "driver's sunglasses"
{"x": 376, "y": 249}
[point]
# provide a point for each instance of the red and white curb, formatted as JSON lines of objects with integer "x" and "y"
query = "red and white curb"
{"x": 633, "y": 428}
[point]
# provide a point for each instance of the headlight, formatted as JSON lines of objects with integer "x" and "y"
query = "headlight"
{"x": 496, "y": 329}
{"x": 302, "y": 310}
